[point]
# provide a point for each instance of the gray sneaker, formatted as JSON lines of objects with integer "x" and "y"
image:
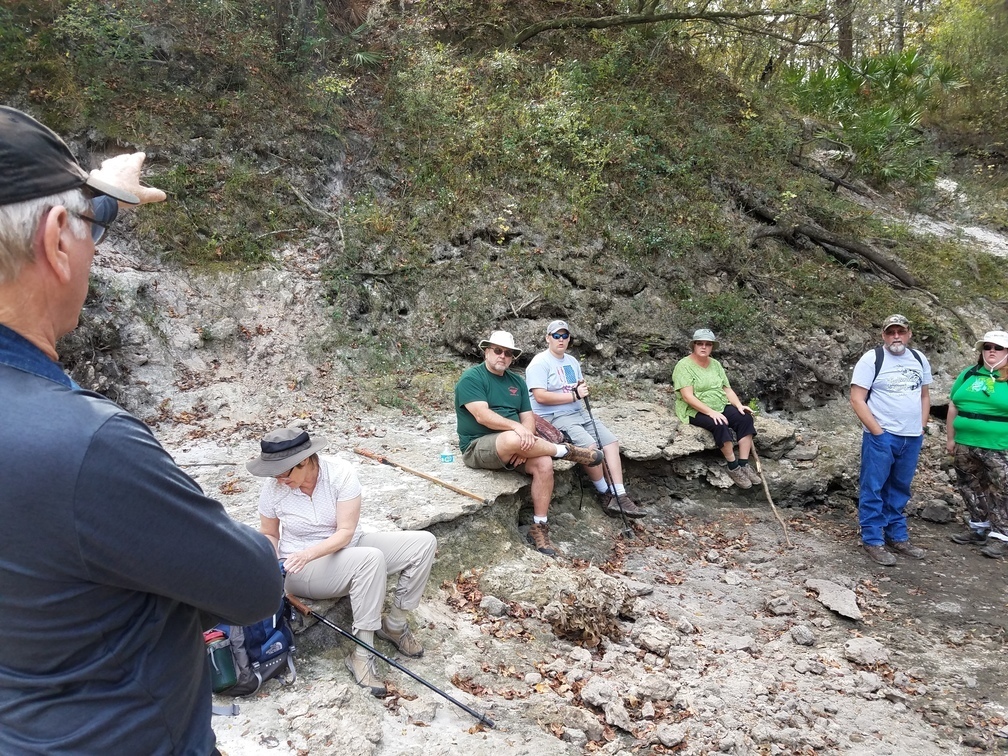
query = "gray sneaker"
{"x": 879, "y": 555}
{"x": 970, "y": 537}
{"x": 739, "y": 477}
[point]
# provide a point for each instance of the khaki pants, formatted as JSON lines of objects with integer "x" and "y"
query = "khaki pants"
{"x": 360, "y": 572}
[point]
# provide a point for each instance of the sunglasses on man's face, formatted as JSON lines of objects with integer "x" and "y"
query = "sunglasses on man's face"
{"x": 102, "y": 213}
{"x": 560, "y": 336}
{"x": 506, "y": 352}
{"x": 993, "y": 348}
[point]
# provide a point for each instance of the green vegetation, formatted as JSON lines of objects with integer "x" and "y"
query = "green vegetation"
{"x": 454, "y": 185}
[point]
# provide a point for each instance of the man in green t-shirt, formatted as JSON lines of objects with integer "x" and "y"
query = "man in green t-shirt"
{"x": 496, "y": 429}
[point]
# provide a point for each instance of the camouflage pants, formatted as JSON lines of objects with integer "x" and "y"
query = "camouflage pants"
{"x": 983, "y": 483}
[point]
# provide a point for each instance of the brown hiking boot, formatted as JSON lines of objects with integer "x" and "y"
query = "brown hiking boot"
{"x": 907, "y": 549}
{"x": 879, "y": 555}
{"x": 582, "y": 456}
{"x": 611, "y": 506}
{"x": 739, "y": 477}
{"x": 365, "y": 673}
{"x": 538, "y": 533}
{"x": 402, "y": 639}
{"x": 754, "y": 477}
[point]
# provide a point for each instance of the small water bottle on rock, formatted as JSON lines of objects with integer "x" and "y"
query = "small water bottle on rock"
{"x": 447, "y": 457}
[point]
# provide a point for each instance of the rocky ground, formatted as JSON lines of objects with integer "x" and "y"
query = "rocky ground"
{"x": 703, "y": 632}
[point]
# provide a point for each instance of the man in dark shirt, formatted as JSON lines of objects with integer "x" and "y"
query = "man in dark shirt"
{"x": 112, "y": 560}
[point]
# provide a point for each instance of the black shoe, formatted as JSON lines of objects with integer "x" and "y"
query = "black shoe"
{"x": 970, "y": 537}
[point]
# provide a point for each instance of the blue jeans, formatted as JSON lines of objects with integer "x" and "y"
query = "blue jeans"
{"x": 888, "y": 464}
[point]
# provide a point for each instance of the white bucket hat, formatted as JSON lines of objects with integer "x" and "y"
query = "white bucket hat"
{"x": 993, "y": 337}
{"x": 502, "y": 339}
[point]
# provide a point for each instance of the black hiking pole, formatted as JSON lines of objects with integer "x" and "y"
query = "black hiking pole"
{"x": 606, "y": 472}
{"x": 306, "y": 611}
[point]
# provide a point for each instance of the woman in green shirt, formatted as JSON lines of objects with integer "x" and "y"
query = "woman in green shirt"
{"x": 705, "y": 398}
{"x": 977, "y": 436}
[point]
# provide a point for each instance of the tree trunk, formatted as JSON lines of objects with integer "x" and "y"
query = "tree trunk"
{"x": 900, "y": 27}
{"x": 845, "y": 30}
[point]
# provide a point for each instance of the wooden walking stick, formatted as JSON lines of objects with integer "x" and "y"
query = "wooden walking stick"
{"x": 766, "y": 490}
{"x": 386, "y": 461}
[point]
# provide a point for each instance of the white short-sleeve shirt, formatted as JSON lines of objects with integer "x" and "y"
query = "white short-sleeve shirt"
{"x": 304, "y": 519}
{"x": 895, "y": 399}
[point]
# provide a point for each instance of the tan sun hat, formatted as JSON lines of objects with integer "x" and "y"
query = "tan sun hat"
{"x": 502, "y": 339}
{"x": 283, "y": 449}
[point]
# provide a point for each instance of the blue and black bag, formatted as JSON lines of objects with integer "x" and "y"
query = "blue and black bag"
{"x": 259, "y": 652}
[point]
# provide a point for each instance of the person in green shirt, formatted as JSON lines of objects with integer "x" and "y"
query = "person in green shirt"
{"x": 704, "y": 397}
{"x": 496, "y": 429}
{"x": 976, "y": 430}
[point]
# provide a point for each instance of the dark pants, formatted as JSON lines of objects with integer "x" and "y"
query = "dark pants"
{"x": 740, "y": 422}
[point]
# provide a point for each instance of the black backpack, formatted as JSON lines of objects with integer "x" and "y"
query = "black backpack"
{"x": 242, "y": 658}
{"x": 880, "y": 358}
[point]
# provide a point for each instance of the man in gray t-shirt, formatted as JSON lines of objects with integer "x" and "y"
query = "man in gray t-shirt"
{"x": 891, "y": 397}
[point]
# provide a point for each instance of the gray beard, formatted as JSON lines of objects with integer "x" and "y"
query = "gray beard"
{"x": 896, "y": 349}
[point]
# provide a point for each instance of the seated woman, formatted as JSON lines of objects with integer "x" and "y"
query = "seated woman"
{"x": 309, "y": 508}
{"x": 705, "y": 398}
{"x": 977, "y": 436}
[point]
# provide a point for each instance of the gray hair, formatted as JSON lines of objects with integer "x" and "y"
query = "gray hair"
{"x": 19, "y": 222}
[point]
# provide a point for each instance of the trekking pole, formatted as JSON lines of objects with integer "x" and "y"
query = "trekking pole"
{"x": 307, "y": 611}
{"x": 386, "y": 461}
{"x": 766, "y": 490}
{"x": 606, "y": 472}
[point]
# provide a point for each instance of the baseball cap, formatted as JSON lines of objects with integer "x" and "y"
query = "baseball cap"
{"x": 35, "y": 162}
{"x": 557, "y": 325}
{"x": 895, "y": 320}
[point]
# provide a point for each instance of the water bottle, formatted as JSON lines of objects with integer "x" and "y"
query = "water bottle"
{"x": 447, "y": 457}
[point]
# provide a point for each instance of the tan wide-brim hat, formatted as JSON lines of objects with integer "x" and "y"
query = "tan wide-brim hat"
{"x": 283, "y": 449}
{"x": 502, "y": 339}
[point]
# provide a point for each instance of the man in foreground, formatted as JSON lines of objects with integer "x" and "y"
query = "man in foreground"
{"x": 496, "y": 428}
{"x": 112, "y": 561}
{"x": 559, "y": 394}
{"x": 890, "y": 395}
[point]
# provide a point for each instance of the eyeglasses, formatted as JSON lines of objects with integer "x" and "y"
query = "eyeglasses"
{"x": 704, "y": 343}
{"x": 289, "y": 472}
{"x": 102, "y": 215}
{"x": 560, "y": 336}
{"x": 993, "y": 348}
{"x": 506, "y": 352}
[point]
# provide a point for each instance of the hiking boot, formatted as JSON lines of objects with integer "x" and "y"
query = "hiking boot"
{"x": 907, "y": 549}
{"x": 365, "y": 673}
{"x": 402, "y": 639}
{"x": 754, "y": 477}
{"x": 611, "y": 506}
{"x": 995, "y": 549}
{"x": 970, "y": 537}
{"x": 879, "y": 555}
{"x": 538, "y": 533}
{"x": 582, "y": 456}
{"x": 739, "y": 477}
